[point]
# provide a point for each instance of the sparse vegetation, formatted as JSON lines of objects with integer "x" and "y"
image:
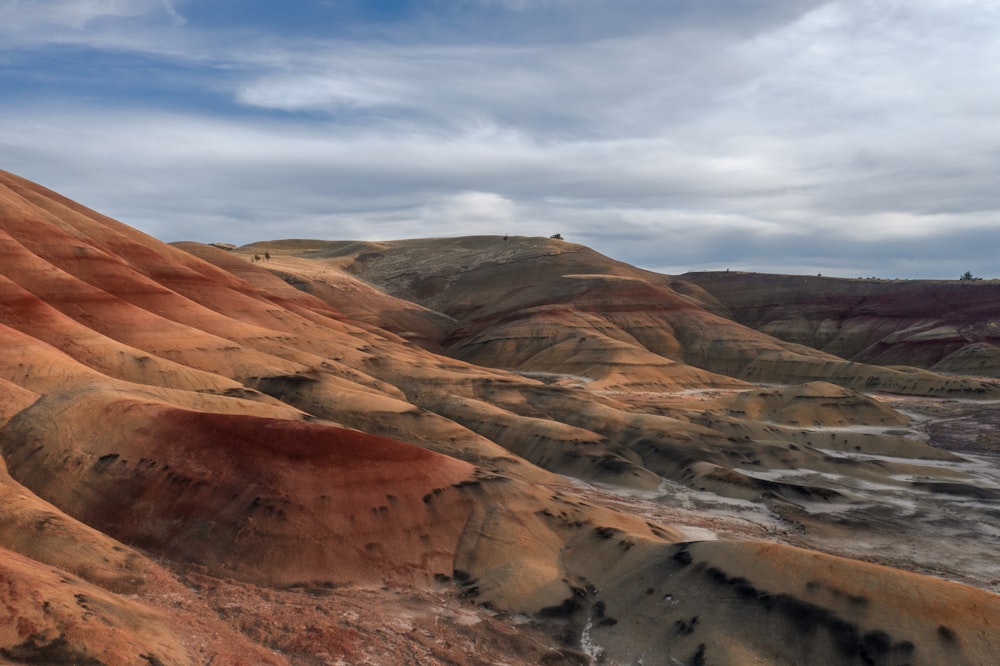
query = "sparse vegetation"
{"x": 556, "y": 236}
{"x": 968, "y": 276}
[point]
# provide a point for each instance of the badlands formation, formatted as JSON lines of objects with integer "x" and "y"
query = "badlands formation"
{"x": 482, "y": 451}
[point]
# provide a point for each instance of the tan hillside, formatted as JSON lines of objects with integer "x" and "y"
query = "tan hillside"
{"x": 536, "y": 304}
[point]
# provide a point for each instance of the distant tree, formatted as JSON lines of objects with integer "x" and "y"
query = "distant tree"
{"x": 556, "y": 236}
{"x": 256, "y": 258}
{"x": 967, "y": 275}
{"x": 267, "y": 255}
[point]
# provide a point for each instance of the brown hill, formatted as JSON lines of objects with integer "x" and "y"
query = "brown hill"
{"x": 545, "y": 305}
{"x": 947, "y": 326}
{"x": 208, "y": 459}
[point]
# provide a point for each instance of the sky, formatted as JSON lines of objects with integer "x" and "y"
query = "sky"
{"x": 854, "y": 138}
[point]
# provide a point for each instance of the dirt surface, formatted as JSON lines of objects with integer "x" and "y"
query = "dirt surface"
{"x": 940, "y": 518}
{"x": 387, "y": 624}
{"x": 963, "y": 426}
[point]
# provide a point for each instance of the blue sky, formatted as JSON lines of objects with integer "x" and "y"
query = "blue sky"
{"x": 853, "y": 138}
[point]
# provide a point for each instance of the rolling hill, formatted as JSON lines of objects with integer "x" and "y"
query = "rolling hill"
{"x": 463, "y": 451}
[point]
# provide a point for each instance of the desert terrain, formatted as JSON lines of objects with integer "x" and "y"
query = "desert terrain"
{"x": 483, "y": 450}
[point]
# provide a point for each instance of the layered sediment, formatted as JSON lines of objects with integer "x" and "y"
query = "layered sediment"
{"x": 478, "y": 450}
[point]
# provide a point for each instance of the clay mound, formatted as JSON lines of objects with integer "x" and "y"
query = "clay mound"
{"x": 150, "y": 296}
{"x": 746, "y": 602}
{"x": 887, "y": 322}
{"x": 38, "y": 530}
{"x": 562, "y": 341}
{"x": 13, "y": 399}
{"x": 534, "y": 294}
{"x": 814, "y": 404}
{"x": 794, "y": 428}
{"x": 75, "y": 595}
{"x": 37, "y": 368}
{"x": 268, "y": 500}
{"x": 40, "y": 321}
{"x": 84, "y": 297}
{"x": 579, "y": 450}
{"x": 356, "y": 299}
{"x": 286, "y": 504}
{"x": 357, "y": 407}
{"x": 121, "y": 306}
{"x": 278, "y": 291}
{"x": 65, "y": 621}
{"x": 132, "y": 265}
{"x": 55, "y": 617}
{"x": 606, "y": 329}
{"x": 516, "y": 550}
{"x": 976, "y": 359}
{"x": 433, "y": 271}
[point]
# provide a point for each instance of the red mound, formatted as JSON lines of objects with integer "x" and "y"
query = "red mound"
{"x": 273, "y": 501}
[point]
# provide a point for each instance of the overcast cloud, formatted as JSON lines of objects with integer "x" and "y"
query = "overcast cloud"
{"x": 843, "y": 138}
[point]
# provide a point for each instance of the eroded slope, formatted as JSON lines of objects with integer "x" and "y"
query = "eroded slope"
{"x": 209, "y": 464}
{"x": 947, "y": 326}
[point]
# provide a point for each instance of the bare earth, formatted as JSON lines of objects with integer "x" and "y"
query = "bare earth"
{"x": 481, "y": 450}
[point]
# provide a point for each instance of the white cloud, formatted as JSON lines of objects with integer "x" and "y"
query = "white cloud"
{"x": 522, "y": 5}
{"x": 171, "y": 9}
{"x": 24, "y": 16}
{"x": 485, "y": 212}
{"x": 152, "y": 27}
{"x": 320, "y": 91}
{"x": 771, "y": 133}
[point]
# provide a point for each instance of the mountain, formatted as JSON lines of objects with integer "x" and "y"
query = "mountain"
{"x": 477, "y": 450}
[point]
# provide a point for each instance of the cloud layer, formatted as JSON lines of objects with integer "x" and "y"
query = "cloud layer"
{"x": 847, "y": 138}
